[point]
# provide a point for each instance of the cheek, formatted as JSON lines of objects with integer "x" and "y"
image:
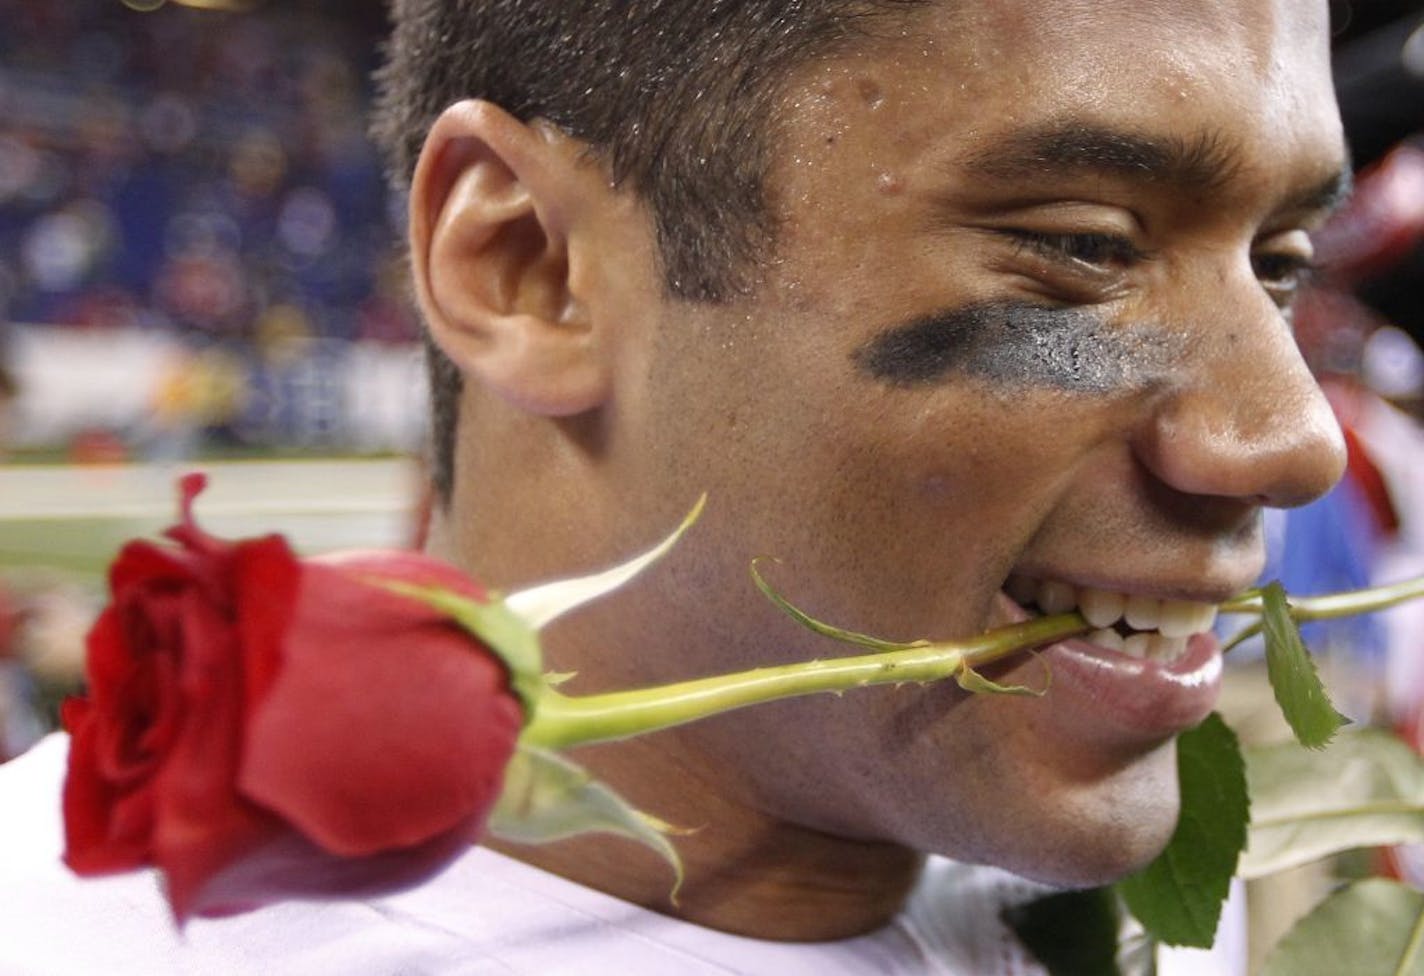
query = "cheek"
{"x": 879, "y": 520}
{"x": 978, "y": 464}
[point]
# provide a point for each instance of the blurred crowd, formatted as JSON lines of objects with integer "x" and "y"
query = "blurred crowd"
{"x": 201, "y": 175}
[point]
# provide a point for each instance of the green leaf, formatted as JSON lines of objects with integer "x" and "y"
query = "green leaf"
{"x": 1075, "y": 933}
{"x": 1372, "y": 928}
{"x": 548, "y": 798}
{"x": 1366, "y": 789}
{"x": 1304, "y": 703}
{"x": 1178, "y": 896}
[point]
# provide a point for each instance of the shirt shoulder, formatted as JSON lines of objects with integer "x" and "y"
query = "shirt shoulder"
{"x": 486, "y": 914}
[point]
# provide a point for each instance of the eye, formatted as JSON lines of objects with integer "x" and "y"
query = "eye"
{"x": 1283, "y": 274}
{"x": 1284, "y": 263}
{"x": 1098, "y": 250}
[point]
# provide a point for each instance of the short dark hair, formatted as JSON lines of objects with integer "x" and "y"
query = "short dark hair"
{"x": 674, "y": 97}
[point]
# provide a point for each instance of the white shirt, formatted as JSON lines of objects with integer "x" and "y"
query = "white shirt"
{"x": 487, "y": 914}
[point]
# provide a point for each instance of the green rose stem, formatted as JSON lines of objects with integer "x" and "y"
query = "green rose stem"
{"x": 557, "y": 721}
{"x": 1325, "y": 607}
{"x": 1331, "y": 605}
{"x": 561, "y": 720}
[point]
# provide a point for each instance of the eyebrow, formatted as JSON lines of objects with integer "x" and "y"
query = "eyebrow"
{"x": 1327, "y": 195}
{"x": 1203, "y": 162}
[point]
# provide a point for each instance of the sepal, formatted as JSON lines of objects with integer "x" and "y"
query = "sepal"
{"x": 540, "y": 605}
{"x": 974, "y": 682}
{"x": 820, "y": 626}
{"x": 547, "y": 798}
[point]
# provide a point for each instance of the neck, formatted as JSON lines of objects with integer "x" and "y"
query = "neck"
{"x": 746, "y": 873}
{"x": 747, "y": 870}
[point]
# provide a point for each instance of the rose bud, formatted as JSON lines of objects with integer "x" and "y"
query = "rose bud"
{"x": 260, "y": 727}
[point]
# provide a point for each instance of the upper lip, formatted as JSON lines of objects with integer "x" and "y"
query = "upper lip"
{"x": 1201, "y": 591}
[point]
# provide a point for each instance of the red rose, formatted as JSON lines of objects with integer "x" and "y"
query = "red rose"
{"x": 260, "y": 727}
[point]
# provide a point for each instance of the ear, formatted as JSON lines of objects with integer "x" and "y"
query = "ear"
{"x": 492, "y": 201}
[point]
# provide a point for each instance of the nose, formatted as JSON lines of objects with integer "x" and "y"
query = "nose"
{"x": 1242, "y": 417}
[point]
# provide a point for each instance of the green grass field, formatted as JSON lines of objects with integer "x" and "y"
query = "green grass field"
{"x": 82, "y": 547}
{"x": 72, "y": 520}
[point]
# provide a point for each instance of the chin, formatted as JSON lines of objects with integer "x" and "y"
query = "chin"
{"x": 1081, "y": 849}
{"x": 1075, "y": 831}
{"x": 1099, "y": 860}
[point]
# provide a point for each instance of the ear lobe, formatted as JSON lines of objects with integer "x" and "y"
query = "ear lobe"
{"x": 490, "y": 202}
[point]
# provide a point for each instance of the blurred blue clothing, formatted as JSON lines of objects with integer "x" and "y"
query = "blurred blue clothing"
{"x": 1323, "y": 547}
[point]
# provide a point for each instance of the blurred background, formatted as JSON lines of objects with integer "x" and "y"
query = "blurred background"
{"x": 197, "y": 250}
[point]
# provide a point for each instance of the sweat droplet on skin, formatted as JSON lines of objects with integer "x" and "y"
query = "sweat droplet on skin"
{"x": 888, "y": 183}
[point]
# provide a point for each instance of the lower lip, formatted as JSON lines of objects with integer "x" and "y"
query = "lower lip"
{"x": 1110, "y": 693}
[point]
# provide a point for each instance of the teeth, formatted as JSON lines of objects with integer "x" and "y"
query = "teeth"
{"x": 1142, "y": 646}
{"x": 1103, "y": 608}
{"x": 1143, "y": 612}
{"x": 1173, "y": 620}
{"x": 1167, "y": 649}
{"x": 1056, "y": 597}
{"x": 1136, "y": 645}
{"x": 1110, "y": 639}
{"x": 1182, "y": 618}
{"x": 1153, "y": 646}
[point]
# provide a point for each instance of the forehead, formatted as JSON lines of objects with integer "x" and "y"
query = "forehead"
{"x": 1118, "y": 53}
{"x": 1256, "y": 35}
{"x": 949, "y": 81}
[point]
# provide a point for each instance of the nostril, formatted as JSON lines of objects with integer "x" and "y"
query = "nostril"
{"x": 1259, "y": 444}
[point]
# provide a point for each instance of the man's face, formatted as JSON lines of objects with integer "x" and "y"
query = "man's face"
{"x": 1023, "y": 325}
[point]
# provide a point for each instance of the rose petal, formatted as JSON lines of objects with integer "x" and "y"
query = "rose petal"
{"x": 209, "y": 640}
{"x": 290, "y": 866}
{"x": 267, "y": 578}
{"x": 386, "y": 726}
{"x": 143, "y": 566}
{"x": 201, "y": 824}
{"x": 91, "y": 845}
{"x": 407, "y": 567}
{"x": 132, "y": 664}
